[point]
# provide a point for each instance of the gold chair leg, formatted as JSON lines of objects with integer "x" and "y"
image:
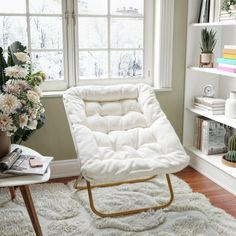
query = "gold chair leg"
{"x": 130, "y": 212}
{"x": 76, "y": 186}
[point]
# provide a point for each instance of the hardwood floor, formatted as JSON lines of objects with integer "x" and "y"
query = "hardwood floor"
{"x": 217, "y": 195}
{"x": 199, "y": 183}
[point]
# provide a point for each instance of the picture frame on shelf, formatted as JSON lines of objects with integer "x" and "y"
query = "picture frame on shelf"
{"x": 227, "y": 11}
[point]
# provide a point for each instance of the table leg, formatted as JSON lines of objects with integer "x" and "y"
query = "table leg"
{"x": 12, "y": 192}
{"x": 25, "y": 191}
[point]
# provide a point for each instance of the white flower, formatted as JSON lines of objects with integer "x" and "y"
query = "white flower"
{"x": 32, "y": 124}
{"x": 16, "y": 72}
{"x": 21, "y": 56}
{"x": 9, "y": 103}
{"x": 33, "y": 96}
{"x": 38, "y": 90}
{"x": 12, "y": 88}
{"x": 6, "y": 123}
{"x": 23, "y": 120}
{"x": 32, "y": 113}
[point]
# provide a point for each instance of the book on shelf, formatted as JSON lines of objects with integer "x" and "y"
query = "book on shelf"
{"x": 229, "y": 51}
{"x": 210, "y": 101}
{"x": 229, "y": 56}
{"x": 17, "y": 164}
{"x": 197, "y": 131}
{"x": 204, "y": 11}
{"x": 226, "y": 69}
{"x": 210, "y": 110}
{"x": 212, "y": 11}
{"x": 230, "y": 47}
{"x": 226, "y": 65}
{"x": 214, "y": 137}
{"x": 226, "y": 61}
{"x": 217, "y": 10}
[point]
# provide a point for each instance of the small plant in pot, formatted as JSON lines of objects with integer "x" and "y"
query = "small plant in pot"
{"x": 229, "y": 159}
{"x": 208, "y": 43}
{"x": 228, "y": 5}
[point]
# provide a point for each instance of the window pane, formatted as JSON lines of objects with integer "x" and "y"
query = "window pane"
{"x": 93, "y": 65}
{"x": 127, "y": 64}
{"x": 46, "y": 32}
{"x": 92, "y": 32}
{"x": 127, "y": 33}
{"x": 49, "y": 62}
{"x": 12, "y": 28}
{"x": 12, "y": 6}
{"x": 45, "y": 6}
{"x": 89, "y": 7}
{"x": 127, "y": 7}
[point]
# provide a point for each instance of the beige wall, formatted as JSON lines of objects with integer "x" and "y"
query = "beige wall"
{"x": 55, "y": 139}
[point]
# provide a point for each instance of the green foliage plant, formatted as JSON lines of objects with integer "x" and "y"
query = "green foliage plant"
{"x": 208, "y": 41}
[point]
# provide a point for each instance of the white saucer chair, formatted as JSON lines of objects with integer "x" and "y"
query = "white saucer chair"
{"x": 121, "y": 135}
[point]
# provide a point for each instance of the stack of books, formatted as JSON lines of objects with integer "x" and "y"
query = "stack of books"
{"x": 228, "y": 62}
{"x": 211, "y": 137}
{"x": 215, "y": 106}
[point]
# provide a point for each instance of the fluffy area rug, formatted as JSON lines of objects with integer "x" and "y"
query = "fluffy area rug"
{"x": 66, "y": 212}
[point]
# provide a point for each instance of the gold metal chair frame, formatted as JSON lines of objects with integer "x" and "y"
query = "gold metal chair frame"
{"x": 124, "y": 213}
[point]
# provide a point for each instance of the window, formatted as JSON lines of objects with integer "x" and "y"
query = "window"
{"x": 83, "y": 41}
{"x": 39, "y": 25}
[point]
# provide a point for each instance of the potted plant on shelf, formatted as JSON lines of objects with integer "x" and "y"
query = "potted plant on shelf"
{"x": 21, "y": 111}
{"x": 208, "y": 43}
{"x": 228, "y": 5}
{"x": 229, "y": 159}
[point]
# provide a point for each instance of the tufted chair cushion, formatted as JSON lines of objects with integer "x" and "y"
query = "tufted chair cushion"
{"x": 120, "y": 133}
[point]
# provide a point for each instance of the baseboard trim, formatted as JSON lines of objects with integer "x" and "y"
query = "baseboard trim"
{"x": 65, "y": 168}
{"x": 218, "y": 176}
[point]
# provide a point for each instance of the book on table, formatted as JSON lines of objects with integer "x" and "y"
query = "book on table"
{"x": 17, "y": 164}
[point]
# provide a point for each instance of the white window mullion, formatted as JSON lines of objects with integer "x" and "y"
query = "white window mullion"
{"x": 109, "y": 39}
{"x": 28, "y": 26}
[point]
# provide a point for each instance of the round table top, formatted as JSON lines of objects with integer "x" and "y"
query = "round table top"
{"x": 25, "y": 179}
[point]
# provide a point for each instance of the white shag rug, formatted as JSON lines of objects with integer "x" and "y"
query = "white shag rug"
{"x": 64, "y": 211}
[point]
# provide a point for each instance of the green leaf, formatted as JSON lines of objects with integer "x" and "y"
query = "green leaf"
{"x": 3, "y": 65}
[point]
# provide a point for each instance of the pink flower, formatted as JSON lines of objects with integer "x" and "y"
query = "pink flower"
{"x": 9, "y": 103}
{"x": 6, "y": 123}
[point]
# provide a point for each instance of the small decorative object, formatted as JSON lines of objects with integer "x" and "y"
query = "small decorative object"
{"x": 228, "y": 5}
{"x": 209, "y": 91}
{"x": 208, "y": 43}
{"x": 21, "y": 111}
{"x": 229, "y": 158}
{"x": 230, "y": 106}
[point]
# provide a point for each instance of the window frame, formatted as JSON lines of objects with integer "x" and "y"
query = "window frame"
{"x": 147, "y": 49}
{"x": 47, "y": 85}
{"x": 158, "y": 46}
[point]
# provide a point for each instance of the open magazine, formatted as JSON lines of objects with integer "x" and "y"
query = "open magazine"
{"x": 17, "y": 164}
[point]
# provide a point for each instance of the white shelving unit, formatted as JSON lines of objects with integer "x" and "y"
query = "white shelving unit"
{"x": 214, "y": 71}
{"x": 196, "y": 78}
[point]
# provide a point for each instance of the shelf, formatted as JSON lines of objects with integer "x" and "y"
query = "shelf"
{"x": 214, "y": 160}
{"x": 222, "y": 23}
{"x": 219, "y": 118}
{"x": 212, "y": 71}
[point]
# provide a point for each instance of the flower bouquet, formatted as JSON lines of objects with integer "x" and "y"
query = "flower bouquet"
{"x": 21, "y": 112}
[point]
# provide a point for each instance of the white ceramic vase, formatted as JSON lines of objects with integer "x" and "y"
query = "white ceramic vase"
{"x": 230, "y": 106}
